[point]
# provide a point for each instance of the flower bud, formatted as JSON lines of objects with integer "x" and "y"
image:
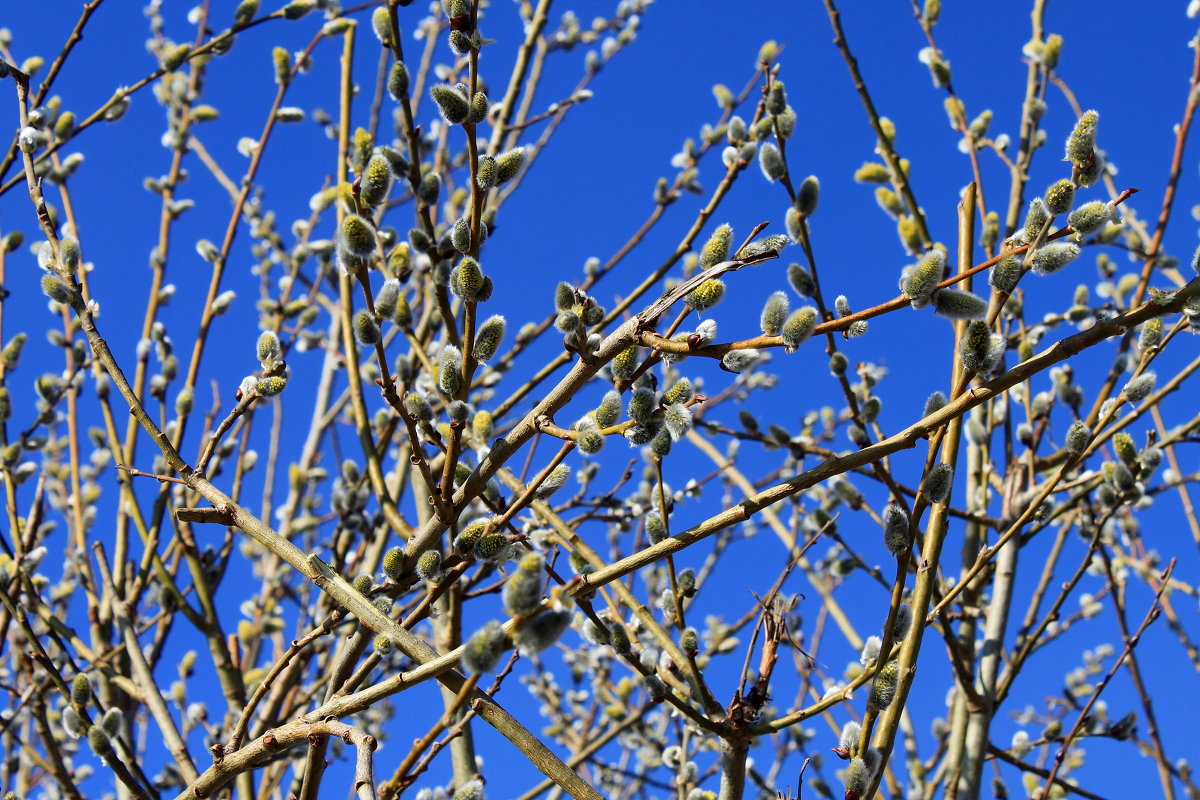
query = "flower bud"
{"x": 678, "y": 420}
{"x": 481, "y": 426}
{"x": 641, "y": 405}
{"x": 271, "y": 386}
{"x": 57, "y": 289}
{"x": 508, "y": 165}
{"x": 739, "y": 360}
{"x": 625, "y": 363}
{"x": 895, "y": 530}
{"x": 1151, "y": 334}
{"x": 608, "y": 413}
{"x": 590, "y": 442}
{"x": 1125, "y": 449}
{"x": 81, "y": 690}
{"x": 376, "y": 181}
{"x": 706, "y": 295}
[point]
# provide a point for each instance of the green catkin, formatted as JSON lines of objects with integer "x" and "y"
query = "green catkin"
{"x": 739, "y": 360}
{"x": 1139, "y": 388}
{"x": 376, "y": 181}
{"x": 889, "y": 202}
{"x": 450, "y": 102}
{"x": 490, "y": 547}
{"x": 57, "y": 289}
{"x": 678, "y": 420}
{"x": 486, "y": 172}
{"x": 716, "y": 249}
{"x": 383, "y": 644}
{"x": 429, "y": 566}
{"x": 481, "y": 426}
{"x": 883, "y": 688}
{"x": 641, "y": 405}
{"x": 808, "y": 196}
{"x": 774, "y": 314}
{"x": 1035, "y": 219}
{"x": 1090, "y": 217}
{"x": 838, "y": 364}
{"x": 1078, "y": 436}
{"x": 974, "y": 346}
{"x": 417, "y": 406}
{"x": 1005, "y": 274}
{"x": 1059, "y": 197}
{"x": 800, "y": 280}
{"x": 357, "y": 236}
{"x": 656, "y": 529}
{"x": 771, "y": 162}
{"x": 508, "y": 165}
{"x": 706, "y": 295}
{"x": 1053, "y": 257}
{"x": 398, "y": 81}
{"x": 857, "y": 779}
{"x": 283, "y": 65}
{"x": 554, "y": 481}
{"x": 467, "y": 279}
{"x": 895, "y": 530}
{"x": 937, "y": 484}
{"x": 872, "y": 172}
{"x": 366, "y": 329}
{"x": 81, "y": 690}
{"x": 991, "y": 230}
{"x": 959, "y": 305}
{"x": 590, "y": 442}
{"x": 483, "y": 650}
{"x": 1080, "y": 147}
{"x": 1125, "y": 449}
{"x": 488, "y": 338}
{"x": 680, "y": 392}
{"x": 542, "y": 631}
{"x": 608, "y": 413}
{"x": 271, "y": 386}
{"x": 393, "y": 562}
{"x": 934, "y": 403}
{"x": 464, "y": 543}
{"x": 564, "y": 296}
{"x": 387, "y": 301}
{"x": 1151, "y": 334}
{"x": 523, "y": 589}
{"x": 267, "y": 349}
{"x": 922, "y": 279}
{"x": 799, "y": 327}
{"x": 450, "y": 370}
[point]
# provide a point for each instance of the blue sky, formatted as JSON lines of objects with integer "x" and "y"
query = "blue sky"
{"x": 593, "y": 186}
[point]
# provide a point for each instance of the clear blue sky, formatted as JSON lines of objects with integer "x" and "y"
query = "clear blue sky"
{"x": 592, "y": 188}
